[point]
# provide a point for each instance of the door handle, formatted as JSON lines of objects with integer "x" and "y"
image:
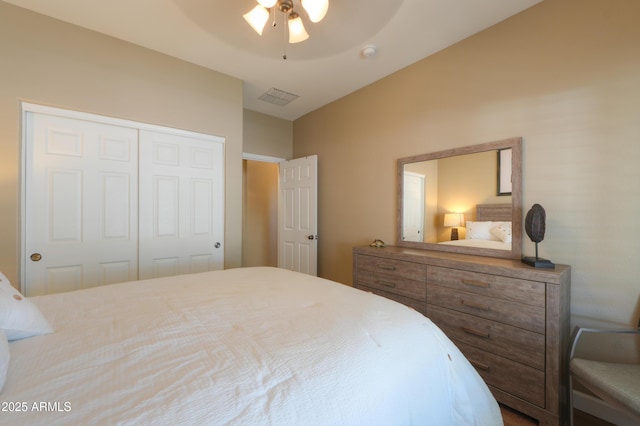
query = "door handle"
{"x": 312, "y": 237}
{"x": 36, "y": 257}
{"x": 217, "y": 245}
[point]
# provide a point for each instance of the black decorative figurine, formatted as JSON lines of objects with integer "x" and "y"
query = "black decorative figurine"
{"x": 534, "y": 224}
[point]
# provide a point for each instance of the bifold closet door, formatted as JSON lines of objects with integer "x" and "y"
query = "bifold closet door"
{"x": 181, "y": 205}
{"x": 108, "y": 201}
{"x": 81, "y": 197}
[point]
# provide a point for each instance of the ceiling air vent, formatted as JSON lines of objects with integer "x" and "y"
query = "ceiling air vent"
{"x": 278, "y": 97}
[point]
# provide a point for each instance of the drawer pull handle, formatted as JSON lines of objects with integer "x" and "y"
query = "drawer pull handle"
{"x": 479, "y": 365}
{"x": 386, "y": 267}
{"x": 476, "y": 283}
{"x": 475, "y": 305}
{"x": 387, "y": 283}
{"x": 475, "y": 332}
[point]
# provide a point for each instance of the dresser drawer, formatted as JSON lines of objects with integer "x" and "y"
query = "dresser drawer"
{"x": 412, "y": 303}
{"x": 512, "y": 329}
{"x": 391, "y": 267}
{"x": 512, "y": 289}
{"x": 393, "y": 284}
{"x": 512, "y": 377}
{"x": 506, "y": 341}
{"x": 515, "y": 314}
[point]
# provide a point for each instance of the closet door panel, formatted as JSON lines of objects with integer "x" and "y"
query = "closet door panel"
{"x": 181, "y": 204}
{"x": 80, "y": 189}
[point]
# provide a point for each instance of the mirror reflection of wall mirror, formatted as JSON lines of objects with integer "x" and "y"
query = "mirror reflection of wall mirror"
{"x": 465, "y": 200}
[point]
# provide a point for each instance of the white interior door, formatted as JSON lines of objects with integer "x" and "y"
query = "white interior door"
{"x": 81, "y": 193}
{"x": 297, "y": 215}
{"x": 181, "y": 205}
{"x": 413, "y": 207}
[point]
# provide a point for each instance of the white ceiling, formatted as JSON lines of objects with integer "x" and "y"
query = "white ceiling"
{"x": 326, "y": 67}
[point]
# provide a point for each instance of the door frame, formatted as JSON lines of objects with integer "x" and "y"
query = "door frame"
{"x": 263, "y": 159}
{"x": 279, "y": 161}
{"x": 29, "y": 107}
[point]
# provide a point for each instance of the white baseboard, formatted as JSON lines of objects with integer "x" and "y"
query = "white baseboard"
{"x": 601, "y": 409}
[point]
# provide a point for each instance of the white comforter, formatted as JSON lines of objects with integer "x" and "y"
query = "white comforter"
{"x": 251, "y": 346}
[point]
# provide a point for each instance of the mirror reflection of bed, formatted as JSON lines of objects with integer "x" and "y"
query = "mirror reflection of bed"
{"x": 491, "y": 228}
{"x": 479, "y": 183}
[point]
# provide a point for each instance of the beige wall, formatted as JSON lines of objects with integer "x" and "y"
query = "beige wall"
{"x": 267, "y": 135}
{"x": 260, "y": 218}
{"x": 46, "y": 61}
{"x": 564, "y": 75}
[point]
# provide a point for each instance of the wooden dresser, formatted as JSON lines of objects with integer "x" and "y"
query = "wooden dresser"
{"x": 509, "y": 319}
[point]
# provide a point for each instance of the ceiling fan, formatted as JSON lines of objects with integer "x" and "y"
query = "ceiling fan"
{"x": 259, "y": 15}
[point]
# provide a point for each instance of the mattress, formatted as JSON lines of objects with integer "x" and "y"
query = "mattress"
{"x": 247, "y": 346}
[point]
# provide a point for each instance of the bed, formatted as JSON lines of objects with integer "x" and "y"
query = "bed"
{"x": 236, "y": 347}
{"x": 491, "y": 228}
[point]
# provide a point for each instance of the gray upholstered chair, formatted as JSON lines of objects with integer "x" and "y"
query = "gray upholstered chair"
{"x": 615, "y": 381}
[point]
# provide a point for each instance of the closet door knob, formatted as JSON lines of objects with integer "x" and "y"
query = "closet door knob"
{"x": 36, "y": 256}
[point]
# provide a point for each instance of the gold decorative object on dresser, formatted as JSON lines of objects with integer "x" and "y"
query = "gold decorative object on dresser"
{"x": 509, "y": 319}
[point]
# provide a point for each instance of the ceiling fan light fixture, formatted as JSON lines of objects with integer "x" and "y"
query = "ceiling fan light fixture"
{"x": 316, "y": 9}
{"x": 297, "y": 33}
{"x": 260, "y": 14}
{"x": 257, "y": 18}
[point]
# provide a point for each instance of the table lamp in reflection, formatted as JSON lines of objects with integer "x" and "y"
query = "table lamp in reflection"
{"x": 453, "y": 220}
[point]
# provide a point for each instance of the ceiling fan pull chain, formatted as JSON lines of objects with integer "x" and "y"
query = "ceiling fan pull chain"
{"x": 285, "y": 35}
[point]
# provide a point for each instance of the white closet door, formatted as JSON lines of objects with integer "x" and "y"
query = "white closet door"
{"x": 181, "y": 204}
{"x": 80, "y": 204}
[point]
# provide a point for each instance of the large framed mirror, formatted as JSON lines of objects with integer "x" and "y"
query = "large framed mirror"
{"x": 463, "y": 200}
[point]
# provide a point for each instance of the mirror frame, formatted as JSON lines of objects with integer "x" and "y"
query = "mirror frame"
{"x": 516, "y": 198}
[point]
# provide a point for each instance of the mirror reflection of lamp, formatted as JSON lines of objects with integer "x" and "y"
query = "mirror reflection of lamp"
{"x": 454, "y": 220}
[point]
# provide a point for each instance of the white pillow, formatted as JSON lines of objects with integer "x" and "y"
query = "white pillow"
{"x": 481, "y": 230}
{"x": 19, "y": 317}
{"x": 4, "y": 358}
{"x": 502, "y": 232}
